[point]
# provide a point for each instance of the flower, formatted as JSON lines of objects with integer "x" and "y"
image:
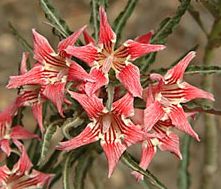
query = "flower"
{"x": 22, "y": 176}
{"x": 169, "y": 92}
{"x": 104, "y": 56}
{"x": 52, "y": 70}
{"x": 113, "y": 127}
{"x": 9, "y": 133}
{"x": 163, "y": 137}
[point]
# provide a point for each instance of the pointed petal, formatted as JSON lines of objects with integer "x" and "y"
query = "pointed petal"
{"x": 113, "y": 152}
{"x": 24, "y": 164}
{"x": 23, "y": 66}
{"x": 70, "y": 40}
{"x": 41, "y": 46}
{"x": 32, "y": 77}
{"x": 176, "y": 73}
{"x": 152, "y": 114}
{"x": 91, "y": 104}
{"x": 87, "y": 136}
{"x": 87, "y": 53}
{"x": 170, "y": 143}
{"x": 76, "y": 72}
{"x": 106, "y": 34}
{"x": 40, "y": 179}
{"x": 87, "y": 38}
{"x": 150, "y": 96}
{"x": 144, "y": 38}
{"x": 148, "y": 152}
{"x": 136, "y": 49}
{"x": 129, "y": 76}
{"x": 37, "y": 112}
{"x": 5, "y": 146}
{"x": 100, "y": 79}
{"x": 19, "y": 132}
{"x": 7, "y": 114}
{"x": 178, "y": 117}
{"x": 55, "y": 93}
{"x": 191, "y": 92}
{"x": 124, "y": 106}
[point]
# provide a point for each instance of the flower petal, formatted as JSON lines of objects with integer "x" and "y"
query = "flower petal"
{"x": 170, "y": 143}
{"x": 176, "y": 73}
{"x": 37, "y": 112}
{"x": 144, "y": 38}
{"x": 70, "y": 40}
{"x": 100, "y": 79}
{"x": 19, "y": 132}
{"x": 23, "y": 66}
{"x": 87, "y": 136}
{"x": 5, "y": 146}
{"x": 55, "y": 93}
{"x": 87, "y": 53}
{"x": 76, "y": 72}
{"x": 32, "y": 77}
{"x": 152, "y": 114}
{"x": 148, "y": 152}
{"x": 124, "y": 106}
{"x": 41, "y": 46}
{"x": 138, "y": 117}
{"x": 91, "y": 104}
{"x": 191, "y": 92}
{"x": 179, "y": 119}
{"x": 113, "y": 152}
{"x": 106, "y": 34}
{"x": 129, "y": 76}
{"x": 87, "y": 38}
{"x": 136, "y": 49}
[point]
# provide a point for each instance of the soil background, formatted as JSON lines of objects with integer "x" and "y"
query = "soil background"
{"x": 27, "y": 14}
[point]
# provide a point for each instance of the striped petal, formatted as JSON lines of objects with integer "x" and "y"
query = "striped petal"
{"x": 37, "y": 112}
{"x": 5, "y": 146}
{"x": 23, "y": 65}
{"x": 87, "y": 38}
{"x": 144, "y": 38}
{"x": 91, "y": 104}
{"x": 19, "y": 132}
{"x": 129, "y": 76}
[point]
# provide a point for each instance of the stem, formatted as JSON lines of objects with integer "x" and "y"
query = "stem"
{"x": 211, "y": 140}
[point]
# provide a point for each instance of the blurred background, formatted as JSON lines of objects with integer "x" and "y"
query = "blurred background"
{"x": 26, "y": 14}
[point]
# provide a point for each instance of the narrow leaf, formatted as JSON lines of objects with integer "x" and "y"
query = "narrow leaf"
{"x": 26, "y": 46}
{"x": 122, "y": 18}
{"x": 166, "y": 28}
{"x": 183, "y": 174}
{"x": 66, "y": 172}
{"x": 51, "y": 129}
{"x": 148, "y": 176}
{"x": 55, "y": 20}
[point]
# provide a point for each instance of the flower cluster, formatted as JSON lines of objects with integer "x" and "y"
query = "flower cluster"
{"x": 106, "y": 91}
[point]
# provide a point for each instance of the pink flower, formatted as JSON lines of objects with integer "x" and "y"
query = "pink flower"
{"x": 165, "y": 97}
{"x": 163, "y": 137}
{"x": 104, "y": 56}
{"x": 113, "y": 127}
{"x": 11, "y": 134}
{"x": 22, "y": 176}
{"x": 52, "y": 70}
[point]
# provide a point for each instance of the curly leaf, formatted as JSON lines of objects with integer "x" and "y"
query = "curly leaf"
{"x": 148, "y": 176}
{"x": 55, "y": 20}
{"x": 122, "y": 18}
{"x": 51, "y": 129}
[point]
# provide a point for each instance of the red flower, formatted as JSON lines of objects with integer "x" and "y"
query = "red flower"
{"x": 11, "y": 134}
{"x": 112, "y": 127}
{"x": 52, "y": 70}
{"x": 22, "y": 176}
{"x": 104, "y": 56}
{"x": 168, "y": 94}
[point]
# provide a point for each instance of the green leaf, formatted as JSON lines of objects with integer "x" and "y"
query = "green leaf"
{"x": 183, "y": 174}
{"x": 148, "y": 176}
{"x": 26, "y": 46}
{"x": 66, "y": 172}
{"x": 166, "y": 28}
{"x": 51, "y": 129}
{"x": 122, "y": 18}
{"x": 55, "y": 20}
{"x": 84, "y": 163}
